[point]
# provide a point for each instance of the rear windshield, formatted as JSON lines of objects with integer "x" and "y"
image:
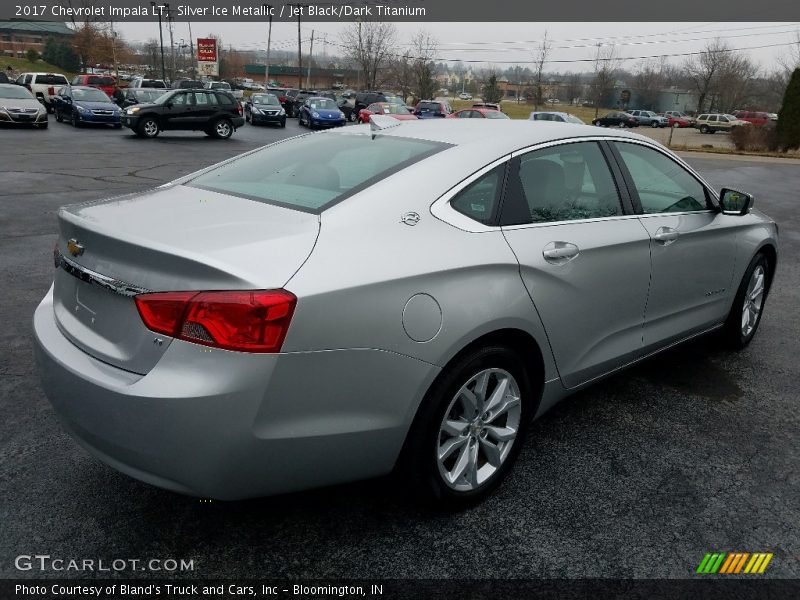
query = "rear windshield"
{"x": 312, "y": 172}
{"x": 51, "y": 80}
{"x": 101, "y": 80}
{"x": 435, "y": 106}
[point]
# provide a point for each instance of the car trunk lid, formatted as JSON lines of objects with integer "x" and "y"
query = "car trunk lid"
{"x": 170, "y": 239}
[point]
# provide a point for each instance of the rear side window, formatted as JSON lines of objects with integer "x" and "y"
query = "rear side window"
{"x": 479, "y": 200}
{"x": 313, "y": 172}
{"x": 224, "y": 99}
{"x": 562, "y": 183}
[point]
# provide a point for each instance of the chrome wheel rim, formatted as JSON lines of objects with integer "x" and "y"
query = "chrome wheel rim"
{"x": 223, "y": 129}
{"x": 753, "y": 300}
{"x": 479, "y": 429}
{"x": 150, "y": 128}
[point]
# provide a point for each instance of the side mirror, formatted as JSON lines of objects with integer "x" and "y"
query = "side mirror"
{"x": 735, "y": 203}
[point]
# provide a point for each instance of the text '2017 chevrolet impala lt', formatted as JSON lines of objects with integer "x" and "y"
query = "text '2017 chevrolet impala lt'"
{"x": 400, "y": 296}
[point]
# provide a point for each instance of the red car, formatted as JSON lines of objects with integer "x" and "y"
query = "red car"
{"x": 756, "y": 118}
{"x": 396, "y": 111}
{"x": 478, "y": 112}
{"x": 102, "y": 82}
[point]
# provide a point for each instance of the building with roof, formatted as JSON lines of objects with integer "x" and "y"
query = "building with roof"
{"x": 17, "y": 36}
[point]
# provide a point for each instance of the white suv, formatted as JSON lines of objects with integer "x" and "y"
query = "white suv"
{"x": 711, "y": 123}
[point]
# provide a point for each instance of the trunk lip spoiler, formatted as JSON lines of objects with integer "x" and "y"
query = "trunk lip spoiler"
{"x": 123, "y": 288}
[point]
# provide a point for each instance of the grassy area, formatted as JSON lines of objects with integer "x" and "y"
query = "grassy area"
{"x": 522, "y": 111}
{"x": 23, "y": 65}
{"x": 792, "y": 154}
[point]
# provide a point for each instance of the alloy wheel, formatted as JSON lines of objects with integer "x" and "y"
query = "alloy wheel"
{"x": 479, "y": 429}
{"x": 150, "y": 128}
{"x": 223, "y": 129}
{"x": 753, "y": 300}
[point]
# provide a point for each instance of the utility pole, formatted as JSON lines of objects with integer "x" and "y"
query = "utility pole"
{"x": 193, "y": 67}
{"x": 170, "y": 21}
{"x": 114, "y": 48}
{"x": 310, "y": 54}
{"x": 161, "y": 40}
{"x": 299, "y": 50}
{"x": 269, "y": 42}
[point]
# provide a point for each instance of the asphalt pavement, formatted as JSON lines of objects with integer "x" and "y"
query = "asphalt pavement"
{"x": 696, "y": 450}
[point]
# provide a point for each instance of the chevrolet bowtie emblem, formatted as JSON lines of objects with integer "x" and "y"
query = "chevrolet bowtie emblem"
{"x": 74, "y": 247}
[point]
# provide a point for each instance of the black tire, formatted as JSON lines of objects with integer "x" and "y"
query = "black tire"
{"x": 73, "y": 119}
{"x": 222, "y": 128}
{"x": 117, "y": 125}
{"x": 418, "y": 466}
{"x": 42, "y": 125}
{"x": 703, "y": 128}
{"x": 59, "y": 116}
{"x": 283, "y": 122}
{"x": 732, "y": 331}
{"x": 654, "y": 124}
{"x": 148, "y": 128}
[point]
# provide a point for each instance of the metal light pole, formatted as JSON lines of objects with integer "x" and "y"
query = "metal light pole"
{"x": 193, "y": 67}
{"x": 299, "y": 50}
{"x": 170, "y": 20}
{"x": 161, "y": 41}
{"x": 269, "y": 42}
{"x": 310, "y": 54}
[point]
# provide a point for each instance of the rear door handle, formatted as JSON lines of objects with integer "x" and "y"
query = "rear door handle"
{"x": 560, "y": 252}
{"x": 666, "y": 235}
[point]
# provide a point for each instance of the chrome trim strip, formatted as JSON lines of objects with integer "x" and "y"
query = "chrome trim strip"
{"x": 87, "y": 275}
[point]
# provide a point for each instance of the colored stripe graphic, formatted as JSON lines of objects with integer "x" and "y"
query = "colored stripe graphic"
{"x": 733, "y": 563}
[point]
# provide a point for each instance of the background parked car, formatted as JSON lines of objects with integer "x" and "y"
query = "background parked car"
{"x": 364, "y": 99}
{"x": 216, "y": 113}
{"x": 43, "y": 86}
{"x": 320, "y": 111}
{"x": 264, "y": 108}
{"x": 396, "y": 111}
{"x": 560, "y": 117}
{"x": 4, "y": 77}
{"x": 479, "y": 112}
{"x": 713, "y": 122}
{"x": 141, "y": 82}
{"x": 431, "y": 109}
{"x": 101, "y": 82}
{"x": 757, "y": 118}
{"x": 187, "y": 84}
{"x": 465, "y": 96}
{"x": 131, "y": 96}
{"x": 676, "y": 116}
{"x": 85, "y": 105}
{"x": 648, "y": 118}
{"x": 17, "y": 105}
{"x": 616, "y": 118}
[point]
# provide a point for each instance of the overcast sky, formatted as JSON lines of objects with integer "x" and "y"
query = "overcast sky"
{"x": 509, "y": 43}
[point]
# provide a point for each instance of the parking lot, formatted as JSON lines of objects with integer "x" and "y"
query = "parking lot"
{"x": 693, "y": 451}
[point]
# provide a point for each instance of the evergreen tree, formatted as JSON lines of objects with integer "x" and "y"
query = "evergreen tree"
{"x": 788, "y": 126}
{"x": 492, "y": 93}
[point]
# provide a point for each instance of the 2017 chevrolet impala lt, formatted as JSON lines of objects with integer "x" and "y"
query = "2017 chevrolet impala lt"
{"x": 396, "y": 296}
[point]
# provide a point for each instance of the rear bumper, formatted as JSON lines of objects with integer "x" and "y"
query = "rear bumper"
{"x": 229, "y": 425}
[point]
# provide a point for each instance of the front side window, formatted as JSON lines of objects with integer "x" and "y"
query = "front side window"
{"x": 563, "y": 183}
{"x": 662, "y": 184}
{"x": 479, "y": 200}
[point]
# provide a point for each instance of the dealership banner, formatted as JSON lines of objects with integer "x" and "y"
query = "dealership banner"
{"x": 404, "y": 10}
{"x": 403, "y": 589}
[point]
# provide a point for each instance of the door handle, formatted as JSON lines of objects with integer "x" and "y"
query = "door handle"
{"x": 560, "y": 252}
{"x": 666, "y": 235}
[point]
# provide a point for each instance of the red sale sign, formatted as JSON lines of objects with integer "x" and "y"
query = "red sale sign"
{"x": 206, "y": 49}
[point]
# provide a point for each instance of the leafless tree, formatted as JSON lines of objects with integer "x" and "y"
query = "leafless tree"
{"x": 540, "y": 58}
{"x": 703, "y": 71}
{"x": 369, "y": 46}
{"x": 606, "y": 64}
{"x": 573, "y": 86}
{"x": 423, "y": 48}
{"x": 648, "y": 81}
{"x": 735, "y": 83}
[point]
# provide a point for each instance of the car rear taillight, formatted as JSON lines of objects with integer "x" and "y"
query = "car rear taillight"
{"x": 245, "y": 320}
{"x": 240, "y": 109}
{"x": 51, "y": 91}
{"x": 283, "y": 99}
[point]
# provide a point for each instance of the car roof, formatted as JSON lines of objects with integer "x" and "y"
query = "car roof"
{"x": 489, "y": 137}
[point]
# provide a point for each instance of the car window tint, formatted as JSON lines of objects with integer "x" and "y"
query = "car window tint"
{"x": 224, "y": 99}
{"x": 662, "y": 184}
{"x": 201, "y": 99}
{"x": 479, "y": 199}
{"x": 313, "y": 172}
{"x": 567, "y": 182}
{"x": 180, "y": 99}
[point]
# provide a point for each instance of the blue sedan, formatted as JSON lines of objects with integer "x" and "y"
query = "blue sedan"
{"x": 320, "y": 112}
{"x": 79, "y": 105}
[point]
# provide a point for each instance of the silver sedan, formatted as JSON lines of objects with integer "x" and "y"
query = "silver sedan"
{"x": 400, "y": 296}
